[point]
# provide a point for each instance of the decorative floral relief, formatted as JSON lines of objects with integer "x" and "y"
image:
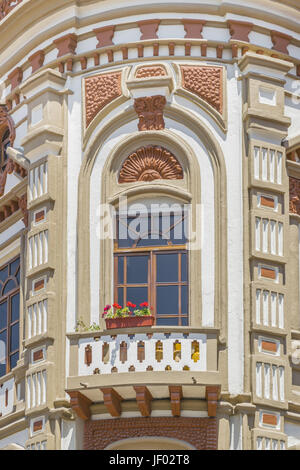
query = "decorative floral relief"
{"x": 149, "y": 71}
{"x": 294, "y": 196}
{"x": 99, "y": 91}
{"x": 150, "y": 112}
{"x": 206, "y": 82}
{"x": 150, "y": 163}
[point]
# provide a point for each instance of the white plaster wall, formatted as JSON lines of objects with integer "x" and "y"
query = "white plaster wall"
{"x": 11, "y": 231}
{"x": 18, "y": 438}
{"x": 68, "y": 435}
{"x": 292, "y": 430}
{"x": 9, "y": 386}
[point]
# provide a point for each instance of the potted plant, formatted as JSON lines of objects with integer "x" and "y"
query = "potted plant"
{"x": 116, "y": 316}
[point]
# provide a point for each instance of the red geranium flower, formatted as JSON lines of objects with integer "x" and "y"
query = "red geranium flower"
{"x": 130, "y": 304}
{"x": 144, "y": 304}
{"x": 117, "y": 306}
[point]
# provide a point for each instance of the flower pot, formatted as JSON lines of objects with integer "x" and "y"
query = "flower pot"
{"x": 129, "y": 322}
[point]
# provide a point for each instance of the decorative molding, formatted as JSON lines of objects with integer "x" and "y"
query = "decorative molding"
{"x": 112, "y": 401}
{"x": 80, "y": 404}
{"x": 104, "y": 36}
{"x": 175, "y": 397}
{"x": 66, "y": 44}
{"x": 148, "y": 29}
{"x": 100, "y": 90}
{"x": 11, "y": 167}
{"x": 294, "y": 195}
{"x": 280, "y": 41}
{"x": 205, "y": 82}
{"x": 150, "y": 163}
{"x": 239, "y": 30}
{"x": 150, "y": 112}
{"x": 143, "y": 398}
{"x": 193, "y": 28}
{"x": 147, "y": 71}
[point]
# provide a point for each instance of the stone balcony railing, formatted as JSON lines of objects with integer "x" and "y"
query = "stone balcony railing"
{"x": 6, "y": 6}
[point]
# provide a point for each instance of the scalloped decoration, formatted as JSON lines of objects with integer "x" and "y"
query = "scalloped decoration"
{"x": 150, "y": 163}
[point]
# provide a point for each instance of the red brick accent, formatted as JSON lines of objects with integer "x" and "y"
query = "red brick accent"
{"x": 240, "y": 30}
{"x": 199, "y": 432}
{"x": 37, "y": 60}
{"x": 269, "y": 419}
{"x": 66, "y": 44}
{"x": 149, "y": 29}
{"x": 15, "y": 77}
{"x": 193, "y": 28}
{"x": 104, "y": 36}
{"x": 280, "y": 41}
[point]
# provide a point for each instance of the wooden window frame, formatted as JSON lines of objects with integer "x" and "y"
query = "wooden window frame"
{"x": 152, "y": 283}
{"x": 7, "y": 298}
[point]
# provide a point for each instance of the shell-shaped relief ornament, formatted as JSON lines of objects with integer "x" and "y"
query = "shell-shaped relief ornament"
{"x": 150, "y": 163}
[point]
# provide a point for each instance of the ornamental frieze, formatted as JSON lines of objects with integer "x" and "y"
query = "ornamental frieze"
{"x": 150, "y": 112}
{"x": 101, "y": 90}
{"x": 149, "y": 71}
{"x": 150, "y": 163}
{"x": 294, "y": 196}
{"x": 205, "y": 82}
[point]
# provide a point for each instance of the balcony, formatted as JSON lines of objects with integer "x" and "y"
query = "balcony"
{"x": 113, "y": 367}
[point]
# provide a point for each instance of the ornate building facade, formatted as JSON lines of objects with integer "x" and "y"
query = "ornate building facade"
{"x": 107, "y": 109}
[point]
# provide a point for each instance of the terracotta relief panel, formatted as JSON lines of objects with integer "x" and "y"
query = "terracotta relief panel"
{"x": 294, "y": 196}
{"x": 100, "y": 90}
{"x": 150, "y": 163}
{"x": 148, "y": 71}
{"x": 205, "y": 82}
{"x": 150, "y": 112}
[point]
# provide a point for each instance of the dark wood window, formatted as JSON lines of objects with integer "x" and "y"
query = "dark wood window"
{"x": 5, "y": 142}
{"x": 9, "y": 315}
{"x": 151, "y": 265}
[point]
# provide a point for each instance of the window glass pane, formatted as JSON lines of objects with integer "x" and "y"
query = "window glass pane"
{"x": 14, "y": 266}
{"x": 3, "y": 315}
{"x": 184, "y": 300}
{"x": 14, "y": 337}
{"x": 4, "y": 274}
{"x": 172, "y": 321}
{"x": 167, "y": 300}
{"x": 3, "y": 339}
{"x": 184, "y": 321}
{"x": 184, "y": 267}
{"x": 11, "y": 285}
{"x": 128, "y": 232}
{"x": 18, "y": 276}
{"x": 167, "y": 267}
{"x": 137, "y": 269}
{"x": 121, "y": 269}
{"x": 150, "y": 241}
{"x": 137, "y": 295}
{"x": 13, "y": 360}
{"x": 15, "y": 307}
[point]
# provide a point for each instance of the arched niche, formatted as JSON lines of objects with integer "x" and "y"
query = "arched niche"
{"x": 150, "y": 443}
{"x": 187, "y": 189}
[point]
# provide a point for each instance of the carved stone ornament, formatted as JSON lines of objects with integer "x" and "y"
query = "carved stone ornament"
{"x": 6, "y": 122}
{"x": 100, "y": 90}
{"x": 205, "y": 82}
{"x": 294, "y": 196}
{"x": 6, "y": 6}
{"x": 150, "y": 112}
{"x": 150, "y": 163}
